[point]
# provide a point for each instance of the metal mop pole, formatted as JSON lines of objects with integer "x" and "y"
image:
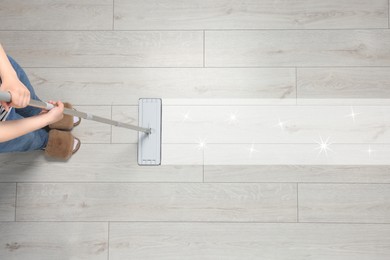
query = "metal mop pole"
{"x": 6, "y": 96}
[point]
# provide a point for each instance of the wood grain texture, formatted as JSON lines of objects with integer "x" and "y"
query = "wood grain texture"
{"x": 297, "y": 173}
{"x": 94, "y": 163}
{"x": 90, "y": 131}
{"x": 362, "y": 83}
{"x": 296, "y": 154}
{"x": 249, "y": 241}
{"x": 118, "y": 86}
{"x": 157, "y": 202}
{"x": 105, "y": 48}
{"x": 7, "y": 201}
{"x": 47, "y": 241}
{"x": 129, "y": 115}
{"x": 300, "y": 48}
{"x": 262, "y": 124}
{"x": 182, "y": 154}
{"x": 249, "y": 14}
{"x": 357, "y": 203}
{"x": 58, "y": 15}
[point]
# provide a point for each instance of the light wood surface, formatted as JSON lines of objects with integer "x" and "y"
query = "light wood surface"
{"x": 362, "y": 83}
{"x": 300, "y": 48}
{"x": 276, "y": 124}
{"x": 50, "y": 15}
{"x": 249, "y": 14}
{"x": 157, "y": 202}
{"x": 7, "y": 201}
{"x": 262, "y": 61}
{"x": 297, "y": 173}
{"x": 105, "y": 48}
{"x": 47, "y": 241}
{"x": 358, "y": 203}
{"x": 249, "y": 241}
{"x": 93, "y": 132}
{"x": 124, "y": 86}
{"x": 296, "y": 154}
{"x": 97, "y": 163}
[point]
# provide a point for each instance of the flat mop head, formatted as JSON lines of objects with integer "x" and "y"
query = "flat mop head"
{"x": 149, "y": 145}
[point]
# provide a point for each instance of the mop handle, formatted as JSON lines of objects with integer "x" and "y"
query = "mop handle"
{"x": 6, "y": 97}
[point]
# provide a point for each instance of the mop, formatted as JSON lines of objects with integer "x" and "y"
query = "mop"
{"x": 149, "y": 125}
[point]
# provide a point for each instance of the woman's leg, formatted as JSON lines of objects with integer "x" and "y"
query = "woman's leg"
{"x": 36, "y": 140}
{"x": 27, "y": 111}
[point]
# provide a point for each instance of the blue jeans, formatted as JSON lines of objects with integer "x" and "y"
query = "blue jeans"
{"x": 36, "y": 140}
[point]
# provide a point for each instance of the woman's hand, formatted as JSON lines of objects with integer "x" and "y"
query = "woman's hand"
{"x": 56, "y": 113}
{"x": 19, "y": 93}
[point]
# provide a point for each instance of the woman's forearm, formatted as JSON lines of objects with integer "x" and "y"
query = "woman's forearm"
{"x": 6, "y": 69}
{"x": 12, "y": 129}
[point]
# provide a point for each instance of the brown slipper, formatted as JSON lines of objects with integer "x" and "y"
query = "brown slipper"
{"x": 61, "y": 144}
{"x": 67, "y": 122}
{"x": 76, "y": 121}
{"x": 76, "y": 145}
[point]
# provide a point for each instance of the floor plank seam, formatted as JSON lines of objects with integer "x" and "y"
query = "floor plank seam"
{"x": 111, "y": 126}
{"x": 298, "y": 202}
{"x": 203, "y": 155}
{"x": 200, "y": 222}
{"x": 113, "y": 15}
{"x": 209, "y": 67}
{"x": 204, "y": 49}
{"x": 296, "y": 85}
{"x": 198, "y": 29}
{"x": 108, "y": 240}
{"x": 16, "y": 199}
{"x": 205, "y": 182}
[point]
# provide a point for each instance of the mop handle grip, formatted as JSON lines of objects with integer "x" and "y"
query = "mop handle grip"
{"x": 6, "y": 97}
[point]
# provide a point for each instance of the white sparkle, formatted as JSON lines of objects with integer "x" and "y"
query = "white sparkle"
{"x": 353, "y": 114}
{"x": 232, "y": 118}
{"x": 324, "y": 146}
{"x": 281, "y": 124}
{"x": 202, "y": 144}
{"x": 186, "y": 117}
{"x": 252, "y": 150}
{"x": 370, "y": 151}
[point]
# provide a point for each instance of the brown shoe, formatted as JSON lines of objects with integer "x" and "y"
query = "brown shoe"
{"x": 61, "y": 144}
{"x": 67, "y": 122}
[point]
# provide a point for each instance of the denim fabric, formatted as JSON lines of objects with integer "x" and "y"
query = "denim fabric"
{"x": 36, "y": 140}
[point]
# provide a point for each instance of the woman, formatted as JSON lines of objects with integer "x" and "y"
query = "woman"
{"x": 24, "y": 128}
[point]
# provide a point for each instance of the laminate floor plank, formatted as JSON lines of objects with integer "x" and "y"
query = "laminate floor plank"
{"x": 299, "y": 48}
{"x": 297, "y": 173}
{"x": 124, "y": 86}
{"x": 58, "y": 15}
{"x": 249, "y": 14}
{"x": 47, "y": 241}
{"x": 347, "y": 203}
{"x": 105, "y": 48}
{"x": 7, "y": 201}
{"x": 335, "y": 83}
{"x": 89, "y": 131}
{"x": 98, "y": 163}
{"x": 249, "y": 241}
{"x": 275, "y": 124}
{"x": 297, "y": 154}
{"x": 156, "y": 202}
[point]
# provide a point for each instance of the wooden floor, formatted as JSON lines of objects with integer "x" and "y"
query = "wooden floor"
{"x": 221, "y": 67}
